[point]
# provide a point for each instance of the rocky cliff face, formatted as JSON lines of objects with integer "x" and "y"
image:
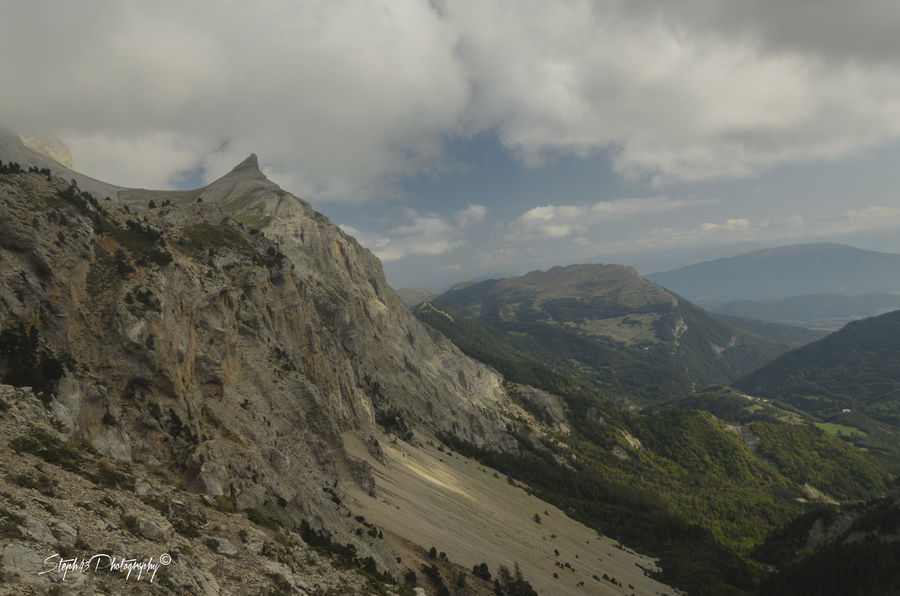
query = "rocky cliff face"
{"x": 51, "y": 148}
{"x": 240, "y": 340}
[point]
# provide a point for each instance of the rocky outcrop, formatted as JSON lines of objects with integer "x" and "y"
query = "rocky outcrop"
{"x": 51, "y": 148}
{"x": 13, "y": 149}
{"x": 237, "y": 339}
{"x": 62, "y": 528}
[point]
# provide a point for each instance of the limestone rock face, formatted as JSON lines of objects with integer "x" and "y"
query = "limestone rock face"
{"x": 238, "y": 339}
{"x": 51, "y": 148}
{"x": 158, "y": 530}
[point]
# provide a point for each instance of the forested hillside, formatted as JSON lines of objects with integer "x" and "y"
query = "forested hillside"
{"x": 837, "y": 551}
{"x": 856, "y": 368}
{"x": 599, "y": 362}
{"x": 607, "y": 326}
{"x": 680, "y": 485}
{"x": 780, "y": 331}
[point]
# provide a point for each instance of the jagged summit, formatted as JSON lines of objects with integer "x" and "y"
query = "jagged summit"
{"x": 247, "y": 196}
{"x": 251, "y": 163}
{"x": 254, "y": 311}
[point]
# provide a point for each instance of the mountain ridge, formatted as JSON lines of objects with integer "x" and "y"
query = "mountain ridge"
{"x": 616, "y": 309}
{"x": 214, "y": 331}
{"x": 783, "y": 272}
{"x": 230, "y": 343}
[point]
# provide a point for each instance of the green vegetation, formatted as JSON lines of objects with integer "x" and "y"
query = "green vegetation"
{"x": 28, "y": 365}
{"x": 876, "y": 443}
{"x": 393, "y": 421}
{"x": 103, "y": 274}
{"x": 837, "y": 429}
{"x": 186, "y": 524}
{"x": 261, "y": 520}
{"x": 137, "y": 197}
{"x": 11, "y": 168}
{"x": 709, "y": 350}
{"x": 855, "y": 368}
{"x": 71, "y": 456}
{"x": 206, "y": 240}
{"x": 807, "y": 454}
{"x": 75, "y": 455}
{"x": 841, "y": 565}
{"x": 204, "y": 237}
{"x": 780, "y": 331}
{"x": 726, "y": 404}
{"x": 678, "y": 484}
{"x": 40, "y": 483}
{"x": 144, "y": 244}
{"x": 877, "y": 440}
{"x": 512, "y": 582}
{"x": 344, "y": 554}
{"x": 670, "y": 346}
{"x": 693, "y": 494}
{"x": 593, "y": 361}
{"x": 858, "y": 569}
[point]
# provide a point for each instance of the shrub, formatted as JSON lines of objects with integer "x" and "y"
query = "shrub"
{"x": 27, "y": 364}
{"x": 261, "y": 520}
{"x": 130, "y": 522}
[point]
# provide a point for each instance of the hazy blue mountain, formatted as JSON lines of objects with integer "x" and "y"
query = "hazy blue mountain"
{"x": 813, "y": 310}
{"x": 783, "y": 272}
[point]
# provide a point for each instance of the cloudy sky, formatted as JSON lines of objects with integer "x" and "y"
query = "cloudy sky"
{"x": 465, "y": 138}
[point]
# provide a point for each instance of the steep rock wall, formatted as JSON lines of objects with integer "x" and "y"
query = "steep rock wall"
{"x": 239, "y": 355}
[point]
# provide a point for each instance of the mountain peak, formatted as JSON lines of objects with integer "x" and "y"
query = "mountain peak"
{"x": 251, "y": 163}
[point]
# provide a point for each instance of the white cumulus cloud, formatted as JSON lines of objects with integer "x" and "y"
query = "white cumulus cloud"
{"x": 551, "y": 221}
{"x": 343, "y": 99}
{"x": 429, "y": 235}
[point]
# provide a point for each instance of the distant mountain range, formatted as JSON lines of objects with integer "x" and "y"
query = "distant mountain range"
{"x": 829, "y": 311}
{"x": 784, "y": 272}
